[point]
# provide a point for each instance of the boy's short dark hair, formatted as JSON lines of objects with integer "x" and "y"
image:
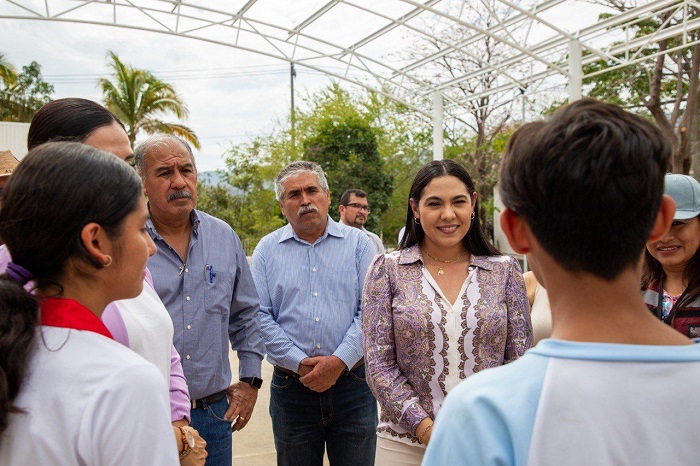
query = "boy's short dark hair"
{"x": 588, "y": 181}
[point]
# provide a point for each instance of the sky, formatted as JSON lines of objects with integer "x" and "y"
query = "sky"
{"x": 232, "y": 95}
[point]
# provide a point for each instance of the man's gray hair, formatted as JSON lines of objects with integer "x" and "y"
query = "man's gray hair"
{"x": 154, "y": 142}
{"x": 296, "y": 168}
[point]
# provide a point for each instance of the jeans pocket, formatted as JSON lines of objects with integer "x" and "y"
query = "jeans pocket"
{"x": 280, "y": 380}
{"x": 358, "y": 374}
{"x": 218, "y": 410}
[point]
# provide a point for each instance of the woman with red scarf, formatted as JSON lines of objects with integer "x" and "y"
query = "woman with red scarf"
{"x": 73, "y": 219}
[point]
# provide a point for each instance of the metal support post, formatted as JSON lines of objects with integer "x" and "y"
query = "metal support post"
{"x": 575, "y": 70}
{"x": 437, "y": 126}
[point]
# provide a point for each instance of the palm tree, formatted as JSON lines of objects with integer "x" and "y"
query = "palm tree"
{"x": 7, "y": 71}
{"x": 139, "y": 99}
{"x": 8, "y": 76}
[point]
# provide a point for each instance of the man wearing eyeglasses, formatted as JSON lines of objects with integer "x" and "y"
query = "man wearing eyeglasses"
{"x": 354, "y": 210}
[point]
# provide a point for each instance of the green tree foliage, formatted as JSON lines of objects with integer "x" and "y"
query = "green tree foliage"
{"x": 348, "y": 150}
{"x": 666, "y": 90}
{"x": 140, "y": 100}
{"x": 405, "y": 145}
{"x": 483, "y": 165}
{"x": 22, "y": 94}
{"x": 335, "y": 128}
{"x": 7, "y": 70}
{"x": 245, "y": 198}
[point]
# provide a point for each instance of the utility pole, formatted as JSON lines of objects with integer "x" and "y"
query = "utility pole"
{"x": 292, "y": 75}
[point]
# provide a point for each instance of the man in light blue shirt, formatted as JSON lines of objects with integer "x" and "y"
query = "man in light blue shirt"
{"x": 309, "y": 275}
{"x": 354, "y": 209}
{"x": 201, "y": 275}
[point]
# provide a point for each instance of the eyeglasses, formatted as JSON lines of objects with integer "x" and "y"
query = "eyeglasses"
{"x": 358, "y": 206}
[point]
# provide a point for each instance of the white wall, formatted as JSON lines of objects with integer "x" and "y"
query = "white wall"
{"x": 13, "y": 137}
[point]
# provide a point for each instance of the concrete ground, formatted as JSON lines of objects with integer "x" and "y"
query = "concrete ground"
{"x": 255, "y": 445}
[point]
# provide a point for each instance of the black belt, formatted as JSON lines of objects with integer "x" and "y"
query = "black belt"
{"x": 357, "y": 365}
{"x": 211, "y": 399}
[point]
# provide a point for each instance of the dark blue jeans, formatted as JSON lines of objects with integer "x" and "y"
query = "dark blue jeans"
{"x": 209, "y": 421}
{"x": 342, "y": 419}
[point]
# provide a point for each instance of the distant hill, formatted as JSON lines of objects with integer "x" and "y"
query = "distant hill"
{"x": 211, "y": 178}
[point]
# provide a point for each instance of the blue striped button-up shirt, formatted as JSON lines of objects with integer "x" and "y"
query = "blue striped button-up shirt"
{"x": 211, "y": 299}
{"x": 310, "y": 294}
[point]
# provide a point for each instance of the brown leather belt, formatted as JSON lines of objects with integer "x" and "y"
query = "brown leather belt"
{"x": 357, "y": 365}
{"x": 211, "y": 399}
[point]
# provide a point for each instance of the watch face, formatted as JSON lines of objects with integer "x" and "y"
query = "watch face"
{"x": 254, "y": 381}
{"x": 190, "y": 439}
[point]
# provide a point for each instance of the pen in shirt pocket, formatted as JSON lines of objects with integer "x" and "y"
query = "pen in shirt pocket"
{"x": 209, "y": 273}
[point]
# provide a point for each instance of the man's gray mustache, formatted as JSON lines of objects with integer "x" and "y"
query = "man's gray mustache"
{"x": 179, "y": 195}
{"x": 305, "y": 209}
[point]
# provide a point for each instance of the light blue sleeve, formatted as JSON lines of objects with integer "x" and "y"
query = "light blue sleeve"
{"x": 280, "y": 348}
{"x": 488, "y": 418}
{"x": 350, "y": 350}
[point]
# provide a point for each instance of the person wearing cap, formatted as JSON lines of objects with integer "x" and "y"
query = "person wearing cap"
{"x": 671, "y": 279}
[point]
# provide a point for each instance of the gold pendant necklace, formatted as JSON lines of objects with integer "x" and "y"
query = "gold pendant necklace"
{"x": 435, "y": 259}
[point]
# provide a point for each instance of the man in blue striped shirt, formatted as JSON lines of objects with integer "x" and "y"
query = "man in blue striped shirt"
{"x": 309, "y": 275}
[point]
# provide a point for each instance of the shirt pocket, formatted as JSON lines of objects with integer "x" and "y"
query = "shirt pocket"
{"x": 342, "y": 284}
{"x": 218, "y": 295}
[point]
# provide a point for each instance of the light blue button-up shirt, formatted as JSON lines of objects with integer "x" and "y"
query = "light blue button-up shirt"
{"x": 211, "y": 299}
{"x": 310, "y": 294}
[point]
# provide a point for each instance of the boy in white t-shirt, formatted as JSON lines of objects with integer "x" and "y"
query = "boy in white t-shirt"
{"x": 583, "y": 193}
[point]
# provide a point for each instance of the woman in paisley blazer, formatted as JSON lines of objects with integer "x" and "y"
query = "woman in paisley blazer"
{"x": 441, "y": 307}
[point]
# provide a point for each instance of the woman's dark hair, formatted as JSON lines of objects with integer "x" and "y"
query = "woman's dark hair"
{"x": 474, "y": 240}
{"x": 56, "y": 190}
{"x": 70, "y": 119}
{"x": 653, "y": 271}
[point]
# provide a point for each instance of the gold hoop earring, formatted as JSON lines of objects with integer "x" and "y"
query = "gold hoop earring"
{"x": 472, "y": 215}
{"x": 417, "y": 220}
{"x": 109, "y": 261}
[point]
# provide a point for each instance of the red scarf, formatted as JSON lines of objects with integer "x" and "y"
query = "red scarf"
{"x": 68, "y": 313}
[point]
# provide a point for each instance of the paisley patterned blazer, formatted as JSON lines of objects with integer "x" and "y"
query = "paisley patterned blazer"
{"x": 415, "y": 342}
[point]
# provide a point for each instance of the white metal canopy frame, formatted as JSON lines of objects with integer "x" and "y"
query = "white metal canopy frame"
{"x": 406, "y": 49}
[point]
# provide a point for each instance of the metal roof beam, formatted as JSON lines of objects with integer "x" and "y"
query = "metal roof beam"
{"x": 244, "y": 9}
{"x": 322, "y": 11}
{"x": 673, "y": 31}
{"x": 390, "y": 27}
{"x": 541, "y": 76}
{"x": 397, "y": 72}
{"x": 494, "y": 29}
{"x": 380, "y": 91}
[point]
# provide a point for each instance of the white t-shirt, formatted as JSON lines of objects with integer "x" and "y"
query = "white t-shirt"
{"x": 89, "y": 401}
{"x": 149, "y": 327}
{"x": 572, "y": 403}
